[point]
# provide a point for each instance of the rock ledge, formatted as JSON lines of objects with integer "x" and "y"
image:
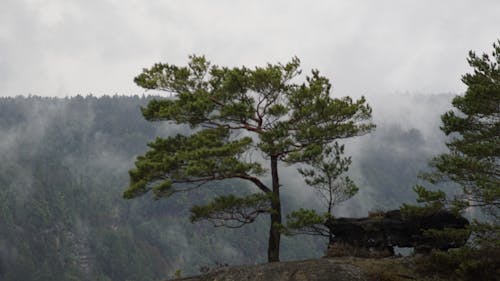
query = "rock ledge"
{"x": 307, "y": 270}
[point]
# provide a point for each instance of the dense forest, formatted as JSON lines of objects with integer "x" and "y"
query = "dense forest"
{"x": 64, "y": 164}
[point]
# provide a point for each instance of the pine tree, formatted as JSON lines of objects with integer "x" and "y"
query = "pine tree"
{"x": 473, "y": 163}
{"x": 234, "y": 112}
{"x": 473, "y": 159}
{"x": 326, "y": 177}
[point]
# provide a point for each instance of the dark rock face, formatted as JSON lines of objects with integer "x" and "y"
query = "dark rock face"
{"x": 309, "y": 270}
{"x": 384, "y": 231}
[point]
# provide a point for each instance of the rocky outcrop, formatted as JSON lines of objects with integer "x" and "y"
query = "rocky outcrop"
{"x": 308, "y": 270}
{"x": 353, "y": 236}
{"x": 386, "y": 230}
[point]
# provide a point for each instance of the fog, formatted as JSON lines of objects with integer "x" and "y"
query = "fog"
{"x": 407, "y": 134}
{"x": 65, "y": 161}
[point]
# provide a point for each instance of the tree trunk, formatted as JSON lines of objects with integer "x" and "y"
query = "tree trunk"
{"x": 273, "y": 250}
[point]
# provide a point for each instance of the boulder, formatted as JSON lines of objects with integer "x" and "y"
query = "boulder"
{"x": 386, "y": 230}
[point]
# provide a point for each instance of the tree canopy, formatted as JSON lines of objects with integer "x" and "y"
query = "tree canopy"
{"x": 234, "y": 112}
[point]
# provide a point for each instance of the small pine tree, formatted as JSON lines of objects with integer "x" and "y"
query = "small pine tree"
{"x": 325, "y": 176}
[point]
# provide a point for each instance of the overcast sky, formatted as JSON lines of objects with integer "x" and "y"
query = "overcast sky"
{"x": 70, "y": 47}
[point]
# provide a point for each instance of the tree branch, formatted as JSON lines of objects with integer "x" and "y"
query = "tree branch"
{"x": 256, "y": 181}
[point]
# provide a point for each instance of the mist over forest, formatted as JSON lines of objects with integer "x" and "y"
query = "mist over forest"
{"x": 64, "y": 164}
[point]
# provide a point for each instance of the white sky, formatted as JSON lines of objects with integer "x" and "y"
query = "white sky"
{"x": 70, "y": 47}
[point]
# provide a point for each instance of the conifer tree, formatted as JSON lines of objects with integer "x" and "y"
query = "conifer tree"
{"x": 473, "y": 163}
{"x": 473, "y": 159}
{"x": 325, "y": 175}
{"x": 233, "y": 112}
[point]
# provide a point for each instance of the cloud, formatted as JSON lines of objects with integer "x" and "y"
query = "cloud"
{"x": 60, "y": 48}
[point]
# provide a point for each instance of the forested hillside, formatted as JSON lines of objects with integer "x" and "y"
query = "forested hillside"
{"x": 63, "y": 168}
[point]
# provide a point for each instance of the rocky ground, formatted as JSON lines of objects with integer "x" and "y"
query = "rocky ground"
{"x": 325, "y": 269}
